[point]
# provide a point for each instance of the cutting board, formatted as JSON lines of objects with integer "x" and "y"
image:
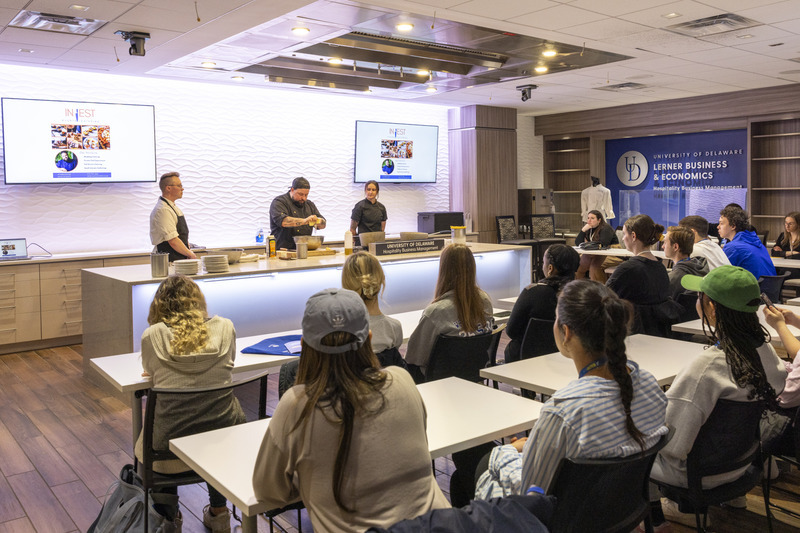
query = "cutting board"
{"x": 287, "y": 254}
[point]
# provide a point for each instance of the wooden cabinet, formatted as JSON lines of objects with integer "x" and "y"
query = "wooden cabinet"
{"x": 19, "y": 304}
{"x": 61, "y": 297}
{"x": 774, "y": 171}
{"x": 567, "y": 173}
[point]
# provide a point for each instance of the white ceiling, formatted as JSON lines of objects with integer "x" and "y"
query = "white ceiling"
{"x": 668, "y": 64}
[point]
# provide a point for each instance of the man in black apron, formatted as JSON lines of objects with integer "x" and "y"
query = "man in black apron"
{"x": 169, "y": 232}
{"x": 292, "y": 214}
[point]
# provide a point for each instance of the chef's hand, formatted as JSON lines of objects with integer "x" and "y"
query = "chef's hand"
{"x": 519, "y": 444}
{"x": 310, "y": 221}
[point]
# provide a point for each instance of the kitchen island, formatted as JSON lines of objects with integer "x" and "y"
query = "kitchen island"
{"x": 269, "y": 295}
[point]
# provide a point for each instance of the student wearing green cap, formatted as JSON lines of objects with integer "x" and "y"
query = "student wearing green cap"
{"x": 741, "y": 365}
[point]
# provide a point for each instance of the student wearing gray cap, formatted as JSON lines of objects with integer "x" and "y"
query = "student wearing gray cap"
{"x": 293, "y": 214}
{"x": 349, "y": 438}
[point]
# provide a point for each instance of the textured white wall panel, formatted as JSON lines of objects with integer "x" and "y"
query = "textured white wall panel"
{"x": 235, "y": 147}
{"x": 530, "y": 162}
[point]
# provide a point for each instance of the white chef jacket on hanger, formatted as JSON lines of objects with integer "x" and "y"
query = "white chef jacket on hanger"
{"x": 596, "y": 198}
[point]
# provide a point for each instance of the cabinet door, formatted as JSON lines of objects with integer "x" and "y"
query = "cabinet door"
{"x": 61, "y": 297}
{"x": 20, "y": 317}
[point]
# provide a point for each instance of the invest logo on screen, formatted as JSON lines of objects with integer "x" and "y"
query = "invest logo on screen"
{"x": 632, "y": 168}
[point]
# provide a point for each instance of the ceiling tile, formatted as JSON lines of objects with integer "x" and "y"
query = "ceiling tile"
{"x": 558, "y": 17}
{"x": 662, "y": 42}
{"x": 105, "y": 59}
{"x": 731, "y": 6}
{"x": 503, "y": 10}
{"x": 144, "y": 18}
{"x": 725, "y": 58}
{"x": 789, "y": 25}
{"x": 774, "y": 11}
{"x": 748, "y": 35}
{"x": 40, "y": 38}
{"x": 7, "y": 15}
{"x": 790, "y": 48}
{"x": 13, "y": 4}
{"x": 98, "y": 9}
{"x": 688, "y": 9}
{"x": 615, "y": 8}
{"x": 604, "y": 29}
{"x": 11, "y": 49}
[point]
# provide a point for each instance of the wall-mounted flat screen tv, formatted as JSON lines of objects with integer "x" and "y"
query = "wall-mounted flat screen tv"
{"x": 48, "y": 141}
{"x": 389, "y": 152}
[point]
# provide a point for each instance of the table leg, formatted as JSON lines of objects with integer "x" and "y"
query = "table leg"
{"x": 136, "y": 415}
{"x": 249, "y": 523}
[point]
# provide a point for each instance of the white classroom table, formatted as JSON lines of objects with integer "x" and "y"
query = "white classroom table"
{"x": 616, "y": 252}
{"x": 663, "y": 358}
{"x": 124, "y": 371}
{"x": 782, "y": 262}
{"x": 461, "y": 414}
{"x": 696, "y": 327}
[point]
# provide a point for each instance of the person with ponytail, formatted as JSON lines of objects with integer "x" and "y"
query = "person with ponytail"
{"x": 740, "y": 365}
{"x": 349, "y": 438}
{"x": 362, "y": 273}
{"x": 613, "y": 408}
{"x": 643, "y": 279}
{"x": 185, "y": 349}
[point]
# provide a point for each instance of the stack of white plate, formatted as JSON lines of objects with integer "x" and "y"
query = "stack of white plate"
{"x": 215, "y": 263}
{"x": 187, "y": 267}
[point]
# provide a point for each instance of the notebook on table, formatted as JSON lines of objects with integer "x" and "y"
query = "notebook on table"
{"x": 13, "y": 249}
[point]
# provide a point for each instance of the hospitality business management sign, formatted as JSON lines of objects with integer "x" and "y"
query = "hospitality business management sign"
{"x": 671, "y": 176}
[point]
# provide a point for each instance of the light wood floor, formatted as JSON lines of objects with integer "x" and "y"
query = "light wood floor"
{"x": 63, "y": 441}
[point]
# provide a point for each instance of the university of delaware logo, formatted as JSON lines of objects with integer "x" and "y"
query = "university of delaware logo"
{"x": 632, "y": 168}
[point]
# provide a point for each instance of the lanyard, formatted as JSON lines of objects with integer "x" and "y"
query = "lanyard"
{"x": 591, "y": 366}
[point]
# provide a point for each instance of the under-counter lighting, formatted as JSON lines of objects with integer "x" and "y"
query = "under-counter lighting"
{"x": 430, "y": 90}
{"x": 368, "y": 90}
{"x": 541, "y": 69}
{"x": 208, "y": 64}
{"x": 404, "y": 26}
{"x": 335, "y": 61}
{"x": 423, "y": 72}
{"x": 301, "y": 31}
{"x": 549, "y": 53}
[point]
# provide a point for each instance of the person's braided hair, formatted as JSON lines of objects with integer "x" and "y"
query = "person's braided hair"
{"x": 601, "y": 321}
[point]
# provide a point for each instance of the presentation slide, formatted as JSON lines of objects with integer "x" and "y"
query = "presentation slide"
{"x": 47, "y": 141}
{"x": 395, "y": 153}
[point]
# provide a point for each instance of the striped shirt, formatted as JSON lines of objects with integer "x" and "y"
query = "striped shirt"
{"x": 585, "y": 419}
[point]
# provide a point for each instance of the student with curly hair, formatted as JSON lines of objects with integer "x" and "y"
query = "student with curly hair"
{"x": 743, "y": 248}
{"x": 185, "y": 349}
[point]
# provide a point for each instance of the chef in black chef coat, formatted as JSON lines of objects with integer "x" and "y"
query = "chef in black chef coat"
{"x": 169, "y": 232}
{"x": 293, "y": 214}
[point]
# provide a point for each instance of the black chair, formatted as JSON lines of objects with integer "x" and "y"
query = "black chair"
{"x": 496, "y": 334}
{"x": 154, "y": 480}
{"x": 728, "y": 441}
{"x": 617, "y": 486}
{"x": 543, "y": 233}
{"x": 763, "y": 237}
{"x": 538, "y": 339}
{"x": 773, "y": 285}
{"x": 508, "y": 232}
{"x": 788, "y": 451}
{"x": 462, "y": 357}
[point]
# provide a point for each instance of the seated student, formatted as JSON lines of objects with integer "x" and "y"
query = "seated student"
{"x": 643, "y": 279}
{"x": 789, "y": 399}
{"x": 744, "y": 248}
{"x": 459, "y": 307}
{"x": 538, "y": 300}
{"x": 184, "y": 349}
{"x": 362, "y": 273}
{"x": 595, "y": 230}
{"x": 613, "y": 409}
{"x": 678, "y": 246}
{"x": 741, "y": 365}
{"x": 703, "y": 246}
{"x": 349, "y": 439}
{"x": 788, "y": 243}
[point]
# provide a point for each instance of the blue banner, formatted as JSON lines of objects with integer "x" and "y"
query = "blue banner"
{"x": 671, "y": 176}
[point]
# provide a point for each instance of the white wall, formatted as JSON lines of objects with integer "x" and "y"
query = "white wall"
{"x": 235, "y": 147}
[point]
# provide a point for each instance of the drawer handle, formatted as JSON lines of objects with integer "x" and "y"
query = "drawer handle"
{"x": 73, "y": 301}
{"x": 9, "y": 307}
{"x": 9, "y": 275}
{"x": 73, "y": 322}
{"x": 8, "y": 290}
{"x": 72, "y": 285}
{"x": 7, "y": 330}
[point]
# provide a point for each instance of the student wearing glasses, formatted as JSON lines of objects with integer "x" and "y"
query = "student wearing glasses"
{"x": 169, "y": 232}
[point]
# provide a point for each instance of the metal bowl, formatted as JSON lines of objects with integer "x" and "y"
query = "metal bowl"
{"x": 313, "y": 241}
{"x": 233, "y": 253}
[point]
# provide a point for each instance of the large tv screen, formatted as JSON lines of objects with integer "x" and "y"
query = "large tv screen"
{"x": 48, "y": 141}
{"x": 395, "y": 153}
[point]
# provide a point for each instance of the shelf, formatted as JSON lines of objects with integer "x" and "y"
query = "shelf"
{"x": 566, "y": 213}
{"x": 767, "y": 135}
{"x": 567, "y": 192}
{"x": 775, "y": 158}
{"x": 571, "y": 170}
{"x": 568, "y": 150}
{"x": 768, "y": 216}
{"x": 775, "y": 188}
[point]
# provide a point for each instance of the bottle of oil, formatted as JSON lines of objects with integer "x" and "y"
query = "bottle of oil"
{"x": 271, "y": 246}
{"x": 348, "y": 242}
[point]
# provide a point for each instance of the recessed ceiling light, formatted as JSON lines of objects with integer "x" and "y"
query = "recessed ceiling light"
{"x": 549, "y": 53}
{"x": 745, "y": 36}
{"x": 404, "y": 26}
{"x": 237, "y": 78}
{"x": 540, "y": 69}
{"x": 423, "y": 72}
{"x": 208, "y": 64}
{"x": 672, "y": 15}
{"x": 25, "y": 51}
{"x": 430, "y": 90}
{"x": 335, "y": 60}
{"x": 78, "y": 7}
{"x": 469, "y": 86}
{"x": 300, "y": 31}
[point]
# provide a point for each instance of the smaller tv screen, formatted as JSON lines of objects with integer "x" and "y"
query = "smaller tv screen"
{"x": 49, "y": 141}
{"x": 390, "y": 152}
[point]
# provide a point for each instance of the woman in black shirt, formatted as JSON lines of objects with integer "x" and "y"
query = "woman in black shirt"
{"x": 788, "y": 243}
{"x": 595, "y": 230}
{"x": 369, "y": 214}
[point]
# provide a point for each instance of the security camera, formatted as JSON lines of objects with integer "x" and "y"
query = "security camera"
{"x": 137, "y": 39}
{"x": 526, "y": 91}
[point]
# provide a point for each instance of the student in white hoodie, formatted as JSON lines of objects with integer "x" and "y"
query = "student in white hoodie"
{"x": 703, "y": 246}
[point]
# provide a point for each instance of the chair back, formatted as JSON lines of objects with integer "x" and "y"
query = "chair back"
{"x": 538, "y": 339}
{"x": 773, "y": 285}
{"x": 687, "y": 300}
{"x": 461, "y": 357}
{"x": 543, "y": 226}
{"x": 603, "y": 495}
{"x": 506, "y": 228}
{"x": 763, "y": 237}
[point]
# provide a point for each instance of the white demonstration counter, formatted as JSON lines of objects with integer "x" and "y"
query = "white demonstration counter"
{"x": 269, "y": 296}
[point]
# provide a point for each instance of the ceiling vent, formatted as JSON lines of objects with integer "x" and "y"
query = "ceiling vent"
{"x": 622, "y": 87}
{"x": 713, "y": 25}
{"x": 33, "y": 20}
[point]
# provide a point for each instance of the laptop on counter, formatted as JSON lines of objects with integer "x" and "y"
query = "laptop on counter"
{"x": 13, "y": 249}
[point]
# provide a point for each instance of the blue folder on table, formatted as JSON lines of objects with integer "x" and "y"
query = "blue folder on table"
{"x": 273, "y": 346}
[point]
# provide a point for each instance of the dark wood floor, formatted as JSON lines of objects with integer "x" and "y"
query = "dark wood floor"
{"x": 63, "y": 441}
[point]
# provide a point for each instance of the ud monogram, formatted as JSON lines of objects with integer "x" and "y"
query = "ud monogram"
{"x": 632, "y": 168}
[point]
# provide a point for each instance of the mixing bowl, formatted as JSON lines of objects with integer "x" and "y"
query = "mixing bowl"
{"x": 313, "y": 241}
